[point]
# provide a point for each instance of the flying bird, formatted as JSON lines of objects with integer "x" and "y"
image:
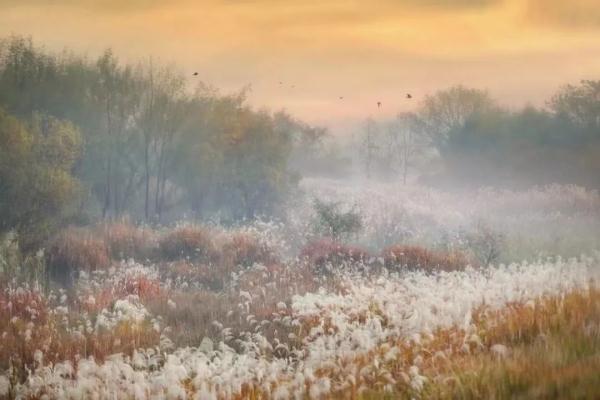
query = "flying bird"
{"x": 408, "y": 96}
{"x": 378, "y": 104}
{"x": 341, "y": 97}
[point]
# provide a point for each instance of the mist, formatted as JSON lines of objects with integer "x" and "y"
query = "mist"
{"x": 161, "y": 237}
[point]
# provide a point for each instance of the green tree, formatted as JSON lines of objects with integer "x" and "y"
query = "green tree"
{"x": 37, "y": 187}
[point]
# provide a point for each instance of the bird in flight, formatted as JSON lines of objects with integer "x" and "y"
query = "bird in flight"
{"x": 341, "y": 97}
{"x": 281, "y": 83}
{"x": 378, "y": 104}
{"x": 195, "y": 74}
{"x": 408, "y": 96}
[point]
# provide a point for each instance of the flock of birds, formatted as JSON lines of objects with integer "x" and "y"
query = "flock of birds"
{"x": 408, "y": 95}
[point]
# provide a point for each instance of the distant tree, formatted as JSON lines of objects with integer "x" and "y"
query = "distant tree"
{"x": 370, "y": 148}
{"x": 408, "y": 140}
{"x": 448, "y": 110}
{"x": 579, "y": 104}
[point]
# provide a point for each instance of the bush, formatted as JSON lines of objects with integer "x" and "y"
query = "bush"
{"x": 74, "y": 250}
{"x": 334, "y": 223}
{"x": 125, "y": 240}
{"x": 326, "y": 251}
{"x": 416, "y": 257}
{"x": 485, "y": 243}
{"x": 188, "y": 242}
{"x": 245, "y": 249}
{"x": 193, "y": 274}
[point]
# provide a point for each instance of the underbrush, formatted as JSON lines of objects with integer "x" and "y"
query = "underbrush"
{"x": 75, "y": 250}
{"x": 257, "y": 312}
{"x": 188, "y": 242}
{"x": 323, "y": 252}
{"x": 38, "y": 329}
{"x": 412, "y": 257}
{"x": 125, "y": 240}
{"x": 283, "y": 331}
{"x": 544, "y": 349}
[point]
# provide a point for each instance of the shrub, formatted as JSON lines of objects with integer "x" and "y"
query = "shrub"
{"x": 245, "y": 249}
{"x": 125, "y": 240}
{"x": 485, "y": 243}
{"x": 188, "y": 242}
{"x": 415, "y": 257}
{"x": 326, "y": 251}
{"x": 211, "y": 277}
{"x": 334, "y": 223}
{"x": 74, "y": 250}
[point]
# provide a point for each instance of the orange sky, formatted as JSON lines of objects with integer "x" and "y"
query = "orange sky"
{"x": 366, "y": 51}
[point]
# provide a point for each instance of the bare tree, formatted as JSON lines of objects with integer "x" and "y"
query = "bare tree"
{"x": 370, "y": 146}
{"x": 448, "y": 109}
{"x": 408, "y": 140}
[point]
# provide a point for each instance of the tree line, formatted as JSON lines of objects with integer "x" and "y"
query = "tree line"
{"x": 463, "y": 136}
{"x": 98, "y": 138}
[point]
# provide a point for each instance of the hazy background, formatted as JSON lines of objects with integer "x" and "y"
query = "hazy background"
{"x": 521, "y": 50}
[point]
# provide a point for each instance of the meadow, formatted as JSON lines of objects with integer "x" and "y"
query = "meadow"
{"x": 434, "y": 294}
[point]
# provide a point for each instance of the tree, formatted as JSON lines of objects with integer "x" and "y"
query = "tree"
{"x": 369, "y": 145}
{"x": 579, "y": 104}
{"x": 449, "y": 109}
{"x": 117, "y": 97}
{"x": 37, "y": 187}
{"x": 408, "y": 140}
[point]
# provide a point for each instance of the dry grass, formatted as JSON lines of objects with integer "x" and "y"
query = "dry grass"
{"x": 416, "y": 257}
{"x": 30, "y": 328}
{"x": 245, "y": 249}
{"x": 554, "y": 352}
{"x": 549, "y": 349}
{"x": 125, "y": 240}
{"x": 188, "y": 242}
{"x": 320, "y": 252}
{"x": 75, "y": 250}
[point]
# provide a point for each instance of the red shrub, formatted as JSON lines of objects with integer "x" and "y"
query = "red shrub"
{"x": 415, "y": 257}
{"x": 212, "y": 277}
{"x": 188, "y": 242}
{"x": 325, "y": 251}
{"x": 75, "y": 250}
{"x": 125, "y": 240}
{"x": 141, "y": 286}
{"x": 246, "y": 249}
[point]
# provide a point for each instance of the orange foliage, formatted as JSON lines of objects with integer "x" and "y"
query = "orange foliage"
{"x": 416, "y": 257}
{"x": 188, "y": 242}
{"x": 75, "y": 250}
{"x": 325, "y": 251}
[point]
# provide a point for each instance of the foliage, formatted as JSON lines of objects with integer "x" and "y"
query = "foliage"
{"x": 245, "y": 249}
{"x": 399, "y": 257}
{"x": 37, "y": 189}
{"x": 455, "y": 129}
{"x": 126, "y": 240}
{"x": 73, "y": 251}
{"x": 153, "y": 149}
{"x": 188, "y": 242}
{"x": 320, "y": 253}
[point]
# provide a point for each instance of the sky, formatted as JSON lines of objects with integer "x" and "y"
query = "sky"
{"x": 522, "y": 51}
